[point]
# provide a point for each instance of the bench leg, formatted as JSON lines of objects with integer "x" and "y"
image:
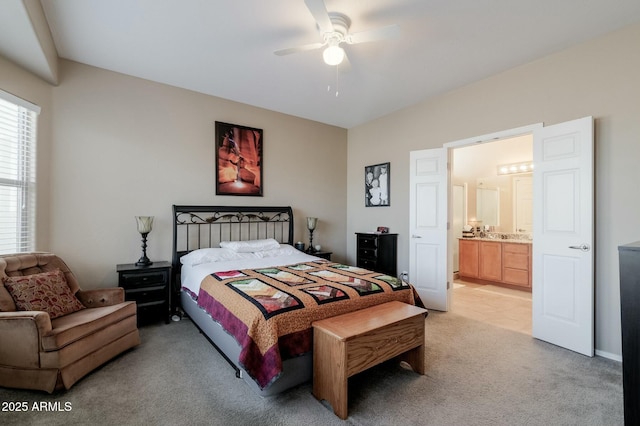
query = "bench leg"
{"x": 329, "y": 373}
{"x": 339, "y": 397}
{"x": 415, "y": 358}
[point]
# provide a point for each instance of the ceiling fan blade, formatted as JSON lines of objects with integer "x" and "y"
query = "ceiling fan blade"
{"x": 302, "y": 48}
{"x": 320, "y": 14}
{"x": 383, "y": 33}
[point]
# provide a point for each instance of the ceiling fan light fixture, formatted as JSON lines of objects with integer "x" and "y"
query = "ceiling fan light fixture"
{"x": 333, "y": 55}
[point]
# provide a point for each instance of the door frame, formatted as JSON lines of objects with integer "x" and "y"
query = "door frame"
{"x": 515, "y": 203}
{"x": 449, "y": 146}
{"x": 464, "y": 218}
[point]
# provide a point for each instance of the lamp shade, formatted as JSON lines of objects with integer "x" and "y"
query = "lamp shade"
{"x": 311, "y": 223}
{"x": 145, "y": 224}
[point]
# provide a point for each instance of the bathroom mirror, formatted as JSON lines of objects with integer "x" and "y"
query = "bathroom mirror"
{"x": 488, "y": 206}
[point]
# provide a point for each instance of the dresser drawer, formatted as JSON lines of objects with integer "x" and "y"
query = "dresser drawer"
{"x": 148, "y": 295}
{"x": 368, "y": 252}
{"x": 367, "y": 263}
{"x": 516, "y": 277}
{"x": 515, "y": 248}
{"x": 516, "y": 261}
{"x": 147, "y": 279}
{"x": 367, "y": 242}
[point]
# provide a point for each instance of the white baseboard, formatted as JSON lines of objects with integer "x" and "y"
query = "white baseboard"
{"x": 609, "y": 355}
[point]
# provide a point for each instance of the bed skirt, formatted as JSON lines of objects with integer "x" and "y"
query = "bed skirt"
{"x": 296, "y": 371}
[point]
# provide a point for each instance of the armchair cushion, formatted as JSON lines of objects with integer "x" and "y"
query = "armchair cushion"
{"x": 73, "y": 327}
{"x": 46, "y": 291}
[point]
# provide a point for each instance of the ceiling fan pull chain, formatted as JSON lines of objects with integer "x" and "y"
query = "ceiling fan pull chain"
{"x": 337, "y": 81}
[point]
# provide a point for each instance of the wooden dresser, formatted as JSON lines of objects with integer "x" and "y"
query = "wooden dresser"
{"x": 377, "y": 252}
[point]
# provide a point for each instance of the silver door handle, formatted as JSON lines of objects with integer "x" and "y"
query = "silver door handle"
{"x": 583, "y": 247}
{"x": 416, "y": 236}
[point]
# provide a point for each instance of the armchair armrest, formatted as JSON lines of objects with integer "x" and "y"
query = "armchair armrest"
{"x": 101, "y": 297}
{"x": 21, "y": 333}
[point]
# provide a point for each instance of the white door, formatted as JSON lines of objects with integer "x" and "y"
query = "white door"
{"x": 563, "y": 235}
{"x": 523, "y": 204}
{"x": 428, "y": 226}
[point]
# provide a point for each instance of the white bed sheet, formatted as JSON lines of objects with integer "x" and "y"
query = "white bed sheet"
{"x": 192, "y": 276}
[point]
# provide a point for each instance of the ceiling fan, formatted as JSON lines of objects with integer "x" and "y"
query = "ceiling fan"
{"x": 334, "y": 28}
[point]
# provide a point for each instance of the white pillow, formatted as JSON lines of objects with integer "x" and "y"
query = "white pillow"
{"x": 251, "y": 246}
{"x": 282, "y": 250}
{"x": 208, "y": 255}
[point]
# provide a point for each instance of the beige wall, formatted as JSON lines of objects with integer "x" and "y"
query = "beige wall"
{"x": 600, "y": 78}
{"x": 123, "y": 146}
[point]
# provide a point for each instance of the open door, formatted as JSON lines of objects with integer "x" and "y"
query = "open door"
{"x": 428, "y": 226}
{"x": 563, "y": 292}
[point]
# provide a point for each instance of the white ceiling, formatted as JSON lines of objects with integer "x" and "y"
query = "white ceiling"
{"x": 225, "y": 48}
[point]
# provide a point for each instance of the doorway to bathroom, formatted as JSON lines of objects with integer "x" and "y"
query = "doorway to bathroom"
{"x": 490, "y": 202}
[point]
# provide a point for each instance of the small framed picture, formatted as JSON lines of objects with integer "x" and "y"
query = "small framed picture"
{"x": 376, "y": 185}
{"x": 383, "y": 229}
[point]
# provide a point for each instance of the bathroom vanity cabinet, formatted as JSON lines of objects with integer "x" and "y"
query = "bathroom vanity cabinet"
{"x": 516, "y": 264}
{"x": 495, "y": 261}
{"x": 490, "y": 260}
{"x": 468, "y": 254}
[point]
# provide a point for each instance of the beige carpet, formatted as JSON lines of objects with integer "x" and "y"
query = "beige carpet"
{"x": 477, "y": 374}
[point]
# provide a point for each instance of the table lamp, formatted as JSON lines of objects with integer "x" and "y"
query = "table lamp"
{"x": 145, "y": 224}
{"x": 311, "y": 225}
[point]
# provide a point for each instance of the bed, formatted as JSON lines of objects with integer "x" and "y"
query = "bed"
{"x": 254, "y": 296}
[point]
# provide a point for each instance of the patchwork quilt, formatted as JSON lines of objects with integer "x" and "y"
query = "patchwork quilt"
{"x": 269, "y": 311}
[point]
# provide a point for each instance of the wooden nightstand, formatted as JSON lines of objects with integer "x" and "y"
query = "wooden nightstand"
{"x": 322, "y": 254}
{"x": 150, "y": 287}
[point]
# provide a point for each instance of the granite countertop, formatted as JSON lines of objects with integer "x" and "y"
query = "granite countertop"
{"x": 500, "y": 240}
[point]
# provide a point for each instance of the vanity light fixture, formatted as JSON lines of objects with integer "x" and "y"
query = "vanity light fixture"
{"x": 510, "y": 169}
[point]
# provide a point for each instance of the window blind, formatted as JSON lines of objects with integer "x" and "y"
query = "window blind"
{"x": 17, "y": 174}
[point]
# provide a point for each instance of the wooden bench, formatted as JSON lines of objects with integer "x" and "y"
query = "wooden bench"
{"x": 348, "y": 344}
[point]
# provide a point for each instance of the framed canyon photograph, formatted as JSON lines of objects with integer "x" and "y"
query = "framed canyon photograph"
{"x": 238, "y": 160}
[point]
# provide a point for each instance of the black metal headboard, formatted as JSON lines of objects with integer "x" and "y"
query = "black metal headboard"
{"x": 196, "y": 227}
